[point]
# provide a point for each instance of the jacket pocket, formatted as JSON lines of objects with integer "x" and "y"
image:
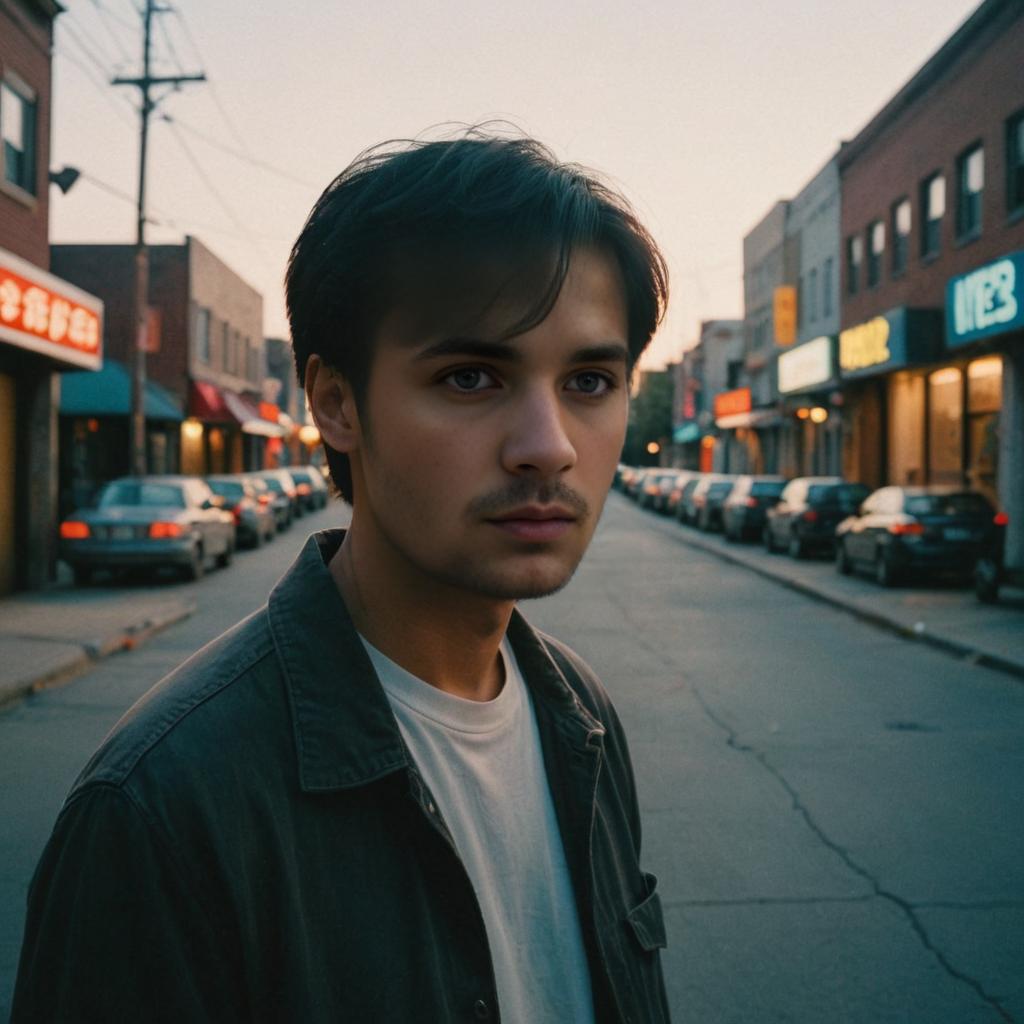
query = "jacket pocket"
{"x": 646, "y": 920}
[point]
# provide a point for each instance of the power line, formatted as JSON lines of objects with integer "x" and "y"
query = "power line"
{"x": 106, "y": 12}
{"x": 105, "y": 19}
{"x": 170, "y": 45}
{"x": 100, "y": 86}
{"x": 71, "y": 34}
{"x": 238, "y": 154}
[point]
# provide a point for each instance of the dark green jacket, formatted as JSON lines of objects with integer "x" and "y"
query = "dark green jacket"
{"x": 252, "y": 843}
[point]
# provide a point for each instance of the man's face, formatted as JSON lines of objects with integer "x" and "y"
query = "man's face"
{"x": 483, "y": 465}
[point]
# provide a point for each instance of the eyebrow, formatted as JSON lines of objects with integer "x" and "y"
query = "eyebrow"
{"x": 603, "y": 352}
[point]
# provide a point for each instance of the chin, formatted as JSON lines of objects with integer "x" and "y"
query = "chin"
{"x": 519, "y": 584}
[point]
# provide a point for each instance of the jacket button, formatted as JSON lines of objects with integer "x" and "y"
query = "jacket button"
{"x": 481, "y": 1010}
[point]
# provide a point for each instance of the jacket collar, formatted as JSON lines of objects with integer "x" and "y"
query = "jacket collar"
{"x": 345, "y": 732}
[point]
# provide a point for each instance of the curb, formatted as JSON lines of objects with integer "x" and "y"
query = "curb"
{"x": 880, "y": 620}
{"x": 95, "y": 650}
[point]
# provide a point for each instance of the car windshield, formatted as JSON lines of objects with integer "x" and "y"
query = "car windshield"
{"x": 966, "y": 504}
{"x": 720, "y": 488}
{"x": 300, "y": 476}
{"x": 274, "y": 484}
{"x": 227, "y": 488}
{"x": 135, "y": 492}
{"x": 767, "y": 488}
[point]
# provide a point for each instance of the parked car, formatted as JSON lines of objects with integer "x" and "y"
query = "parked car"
{"x": 808, "y": 511}
{"x": 254, "y": 519}
{"x": 693, "y": 499}
{"x": 635, "y": 483}
{"x": 653, "y": 493}
{"x": 149, "y": 522}
{"x": 709, "y": 503}
{"x": 902, "y": 531}
{"x": 683, "y": 476}
{"x": 684, "y": 505}
{"x": 991, "y": 570}
{"x": 310, "y": 487}
{"x": 743, "y": 512}
{"x": 280, "y": 482}
{"x": 275, "y": 497}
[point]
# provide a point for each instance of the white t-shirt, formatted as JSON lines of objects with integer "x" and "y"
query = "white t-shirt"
{"x": 482, "y": 761}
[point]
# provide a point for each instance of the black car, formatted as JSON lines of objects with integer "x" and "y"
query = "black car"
{"x": 743, "y": 513}
{"x": 309, "y": 486}
{"x": 656, "y": 486}
{"x": 254, "y": 519}
{"x": 808, "y": 511}
{"x": 709, "y": 503}
{"x": 684, "y": 506}
{"x": 902, "y": 531}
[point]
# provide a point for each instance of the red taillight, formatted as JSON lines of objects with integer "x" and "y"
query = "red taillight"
{"x": 906, "y": 529}
{"x": 304, "y": 489}
{"x": 164, "y": 531}
{"x": 74, "y": 530}
{"x": 751, "y": 503}
{"x": 1001, "y": 519}
{"x": 810, "y": 516}
{"x": 237, "y": 513}
{"x": 264, "y": 499}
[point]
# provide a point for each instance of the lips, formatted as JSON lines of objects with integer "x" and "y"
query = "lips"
{"x": 536, "y": 523}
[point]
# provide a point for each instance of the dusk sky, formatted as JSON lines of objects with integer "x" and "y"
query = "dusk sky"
{"x": 703, "y": 114}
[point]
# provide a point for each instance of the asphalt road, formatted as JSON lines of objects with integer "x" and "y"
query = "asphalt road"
{"x": 836, "y": 816}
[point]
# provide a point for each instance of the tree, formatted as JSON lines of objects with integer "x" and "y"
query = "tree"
{"x": 650, "y": 418}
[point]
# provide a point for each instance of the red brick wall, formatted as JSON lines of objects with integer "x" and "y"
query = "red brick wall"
{"x": 969, "y": 104}
{"x": 25, "y": 39}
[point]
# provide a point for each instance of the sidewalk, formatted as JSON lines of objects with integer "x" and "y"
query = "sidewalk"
{"x": 46, "y": 637}
{"x": 935, "y": 613}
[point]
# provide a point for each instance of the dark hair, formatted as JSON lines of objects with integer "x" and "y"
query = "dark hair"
{"x": 445, "y": 229}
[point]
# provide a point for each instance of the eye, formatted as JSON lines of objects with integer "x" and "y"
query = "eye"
{"x": 590, "y": 382}
{"x": 469, "y": 379}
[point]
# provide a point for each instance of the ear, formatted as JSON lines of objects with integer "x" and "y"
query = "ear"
{"x": 333, "y": 406}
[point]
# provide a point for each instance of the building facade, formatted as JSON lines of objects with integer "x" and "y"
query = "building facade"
{"x": 205, "y": 367}
{"x": 931, "y": 350}
{"x": 47, "y": 325}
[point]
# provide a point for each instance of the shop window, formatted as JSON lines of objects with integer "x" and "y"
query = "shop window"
{"x": 945, "y": 426}
{"x": 970, "y": 183}
{"x": 854, "y": 258}
{"x": 876, "y": 250}
{"x": 900, "y": 218}
{"x": 984, "y": 401}
{"x": 1015, "y": 163}
{"x": 826, "y": 288}
{"x": 18, "y": 132}
{"x": 933, "y": 209}
{"x": 906, "y": 429}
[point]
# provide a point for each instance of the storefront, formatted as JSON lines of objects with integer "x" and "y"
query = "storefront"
{"x": 46, "y": 326}
{"x": 985, "y": 382}
{"x": 811, "y": 433}
{"x": 879, "y": 360}
{"x": 742, "y": 445}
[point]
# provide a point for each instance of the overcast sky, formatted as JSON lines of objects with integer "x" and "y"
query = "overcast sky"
{"x": 704, "y": 114}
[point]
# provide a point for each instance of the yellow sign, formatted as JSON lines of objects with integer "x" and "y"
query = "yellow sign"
{"x": 784, "y": 314}
{"x": 865, "y": 345}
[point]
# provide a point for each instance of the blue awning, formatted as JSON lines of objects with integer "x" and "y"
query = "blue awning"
{"x": 108, "y": 392}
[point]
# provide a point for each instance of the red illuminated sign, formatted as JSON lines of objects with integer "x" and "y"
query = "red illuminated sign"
{"x": 44, "y": 314}
{"x": 729, "y": 403}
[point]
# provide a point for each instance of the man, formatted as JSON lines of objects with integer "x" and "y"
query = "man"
{"x": 384, "y": 797}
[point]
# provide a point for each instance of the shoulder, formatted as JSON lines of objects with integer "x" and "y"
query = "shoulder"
{"x": 582, "y": 679}
{"x": 193, "y": 715}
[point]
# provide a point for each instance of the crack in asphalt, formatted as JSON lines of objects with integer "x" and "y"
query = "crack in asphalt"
{"x": 908, "y": 909}
{"x": 768, "y": 901}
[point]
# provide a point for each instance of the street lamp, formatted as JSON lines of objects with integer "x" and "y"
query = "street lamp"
{"x": 653, "y": 448}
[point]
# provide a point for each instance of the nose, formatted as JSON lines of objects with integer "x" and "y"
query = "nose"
{"x": 536, "y": 439}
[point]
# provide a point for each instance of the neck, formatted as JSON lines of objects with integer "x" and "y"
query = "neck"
{"x": 444, "y": 636}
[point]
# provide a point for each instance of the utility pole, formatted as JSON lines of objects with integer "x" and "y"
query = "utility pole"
{"x": 141, "y": 292}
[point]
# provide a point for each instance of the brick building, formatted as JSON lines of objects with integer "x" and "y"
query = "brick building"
{"x": 46, "y": 325}
{"x": 205, "y": 367}
{"x": 933, "y": 194}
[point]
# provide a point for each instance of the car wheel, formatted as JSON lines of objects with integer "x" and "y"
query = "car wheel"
{"x": 224, "y": 558}
{"x": 843, "y": 563}
{"x": 196, "y": 565}
{"x": 82, "y": 575}
{"x": 885, "y": 574}
{"x": 986, "y": 581}
{"x": 795, "y": 548}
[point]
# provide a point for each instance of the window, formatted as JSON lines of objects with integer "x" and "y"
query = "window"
{"x": 18, "y": 131}
{"x": 1015, "y": 163}
{"x": 203, "y": 335}
{"x": 854, "y": 258}
{"x": 812, "y": 296}
{"x": 901, "y": 220}
{"x": 933, "y": 207}
{"x": 876, "y": 250}
{"x": 970, "y": 182}
{"x": 826, "y": 288}
{"x": 945, "y": 426}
